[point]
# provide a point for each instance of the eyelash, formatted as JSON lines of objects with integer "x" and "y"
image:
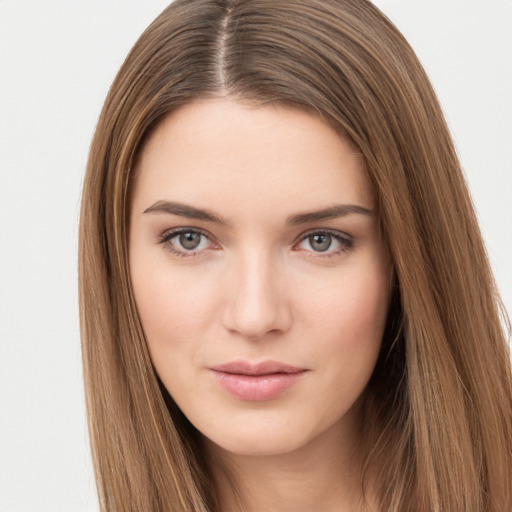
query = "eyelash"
{"x": 166, "y": 238}
{"x": 345, "y": 242}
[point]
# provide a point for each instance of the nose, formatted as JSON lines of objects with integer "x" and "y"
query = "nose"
{"x": 257, "y": 302}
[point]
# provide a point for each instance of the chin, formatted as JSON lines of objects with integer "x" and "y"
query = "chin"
{"x": 258, "y": 445}
{"x": 264, "y": 436}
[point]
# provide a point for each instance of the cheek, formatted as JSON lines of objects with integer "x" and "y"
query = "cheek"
{"x": 175, "y": 308}
{"x": 349, "y": 317}
{"x": 352, "y": 303}
{"x": 173, "y": 322}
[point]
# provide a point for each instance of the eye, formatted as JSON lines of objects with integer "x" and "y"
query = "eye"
{"x": 325, "y": 242}
{"x": 186, "y": 242}
{"x": 320, "y": 242}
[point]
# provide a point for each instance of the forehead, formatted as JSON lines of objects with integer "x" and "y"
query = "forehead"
{"x": 230, "y": 154}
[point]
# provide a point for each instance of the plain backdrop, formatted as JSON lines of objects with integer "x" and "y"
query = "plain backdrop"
{"x": 57, "y": 60}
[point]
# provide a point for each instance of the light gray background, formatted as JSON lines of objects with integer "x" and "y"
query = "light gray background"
{"x": 57, "y": 60}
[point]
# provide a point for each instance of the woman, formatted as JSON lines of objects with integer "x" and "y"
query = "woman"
{"x": 285, "y": 299}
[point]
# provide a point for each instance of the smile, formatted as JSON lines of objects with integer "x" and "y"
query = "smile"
{"x": 256, "y": 383}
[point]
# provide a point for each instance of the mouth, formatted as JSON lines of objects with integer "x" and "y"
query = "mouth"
{"x": 256, "y": 382}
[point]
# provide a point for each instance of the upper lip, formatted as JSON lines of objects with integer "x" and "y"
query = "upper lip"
{"x": 262, "y": 368}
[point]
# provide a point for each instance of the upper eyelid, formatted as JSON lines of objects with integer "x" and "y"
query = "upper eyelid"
{"x": 170, "y": 233}
{"x": 334, "y": 232}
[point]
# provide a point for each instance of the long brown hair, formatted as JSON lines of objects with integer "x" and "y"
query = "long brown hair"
{"x": 438, "y": 413}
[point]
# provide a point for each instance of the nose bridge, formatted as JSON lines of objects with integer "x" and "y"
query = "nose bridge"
{"x": 256, "y": 304}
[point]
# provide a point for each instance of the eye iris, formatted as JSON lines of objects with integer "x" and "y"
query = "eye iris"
{"x": 190, "y": 240}
{"x": 320, "y": 242}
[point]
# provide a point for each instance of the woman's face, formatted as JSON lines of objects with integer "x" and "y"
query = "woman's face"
{"x": 259, "y": 273}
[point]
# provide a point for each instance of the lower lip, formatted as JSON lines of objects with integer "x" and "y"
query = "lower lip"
{"x": 257, "y": 388}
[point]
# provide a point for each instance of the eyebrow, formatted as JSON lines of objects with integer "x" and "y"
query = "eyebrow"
{"x": 191, "y": 212}
{"x": 340, "y": 210}
{"x": 184, "y": 210}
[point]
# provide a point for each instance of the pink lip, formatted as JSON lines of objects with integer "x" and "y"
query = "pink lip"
{"x": 256, "y": 382}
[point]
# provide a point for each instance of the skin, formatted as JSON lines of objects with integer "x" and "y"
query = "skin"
{"x": 258, "y": 288}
